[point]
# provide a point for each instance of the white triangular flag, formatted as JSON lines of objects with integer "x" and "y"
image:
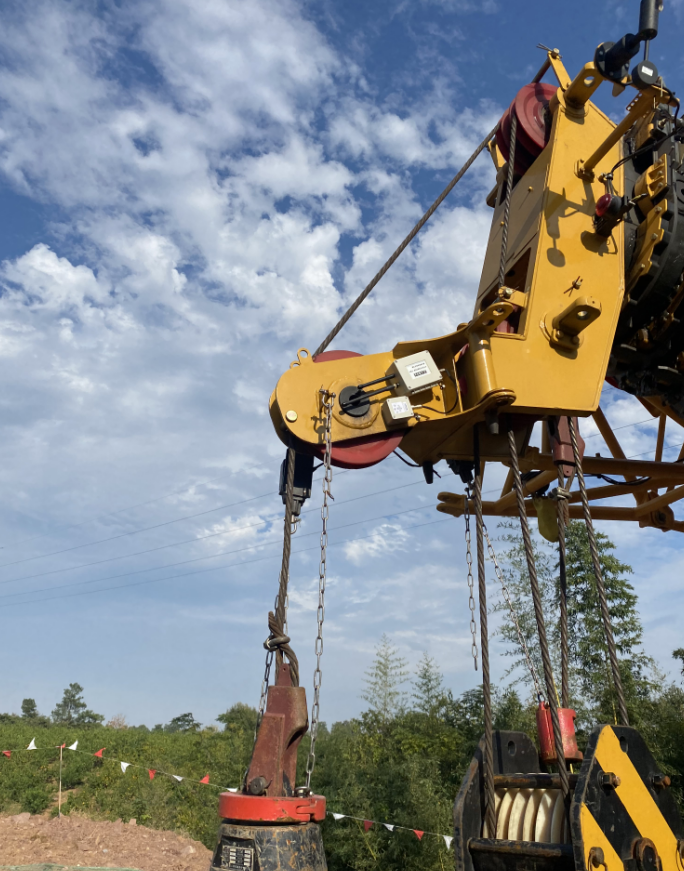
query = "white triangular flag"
{"x": 124, "y": 766}
{"x": 32, "y": 745}
{"x": 447, "y": 840}
{"x": 389, "y": 827}
{"x": 232, "y": 788}
{"x": 73, "y": 746}
{"x": 339, "y": 816}
{"x": 176, "y": 777}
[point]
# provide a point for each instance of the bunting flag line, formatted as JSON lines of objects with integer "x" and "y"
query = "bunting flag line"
{"x": 124, "y": 765}
{"x": 152, "y": 772}
{"x": 392, "y": 827}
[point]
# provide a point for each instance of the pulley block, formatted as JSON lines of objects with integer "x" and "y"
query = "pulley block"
{"x": 365, "y": 451}
{"x": 531, "y": 107}
{"x": 621, "y": 812}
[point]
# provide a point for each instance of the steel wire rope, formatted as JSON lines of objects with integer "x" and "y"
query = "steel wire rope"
{"x": 407, "y": 241}
{"x": 192, "y": 540}
{"x": 562, "y": 521}
{"x": 382, "y": 535}
{"x": 488, "y": 752}
{"x": 203, "y": 558}
{"x": 538, "y": 612}
{"x": 598, "y": 574}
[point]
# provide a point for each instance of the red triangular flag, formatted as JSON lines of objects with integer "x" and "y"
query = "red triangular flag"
{"x": 205, "y": 779}
{"x": 7, "y": 753}
{"x": 418, "y": 833}
{"x": 100, "y": 752}
{"x": 151, "y": 772}
{"x": 62, "y": 746}
{"x": 367, "y": 824}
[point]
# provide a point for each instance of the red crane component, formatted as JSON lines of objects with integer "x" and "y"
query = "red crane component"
{"x": 531, "y": 105}
{"x": 273, "y": 768}
{"x": 547, "y": 745}
{"x": 271, "y": 809}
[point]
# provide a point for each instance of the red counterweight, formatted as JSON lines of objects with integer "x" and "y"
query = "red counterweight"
{"x": 547, "y": 745}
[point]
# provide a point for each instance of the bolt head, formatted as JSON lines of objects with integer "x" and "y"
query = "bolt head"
{"x": 291, "y": 416}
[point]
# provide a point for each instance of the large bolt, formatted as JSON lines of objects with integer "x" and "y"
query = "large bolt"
{"x": 646, "y": 855}
{"x": 596, "y": 857}
{"x": 660, "y": 781}
{"x": 257, "y": 786}
{"x": 610, "y": 780}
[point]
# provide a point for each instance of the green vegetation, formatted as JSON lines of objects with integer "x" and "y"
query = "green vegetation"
{"x": 401, "y": 761}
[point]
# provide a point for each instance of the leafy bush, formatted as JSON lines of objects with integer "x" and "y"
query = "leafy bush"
{"x": 35, "y": 800}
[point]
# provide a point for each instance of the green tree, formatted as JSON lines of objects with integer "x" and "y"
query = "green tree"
{"x": 679, "y": 654}
{"x": 29, "y": 709}
{"x": 588, "y": 647}
{"x": 384, "y": 679}
{"x": 183, "y": 723}
{"x": 428, "y": 692}
{"x": 73, "y": 711}
{"x": 239, "y": 717}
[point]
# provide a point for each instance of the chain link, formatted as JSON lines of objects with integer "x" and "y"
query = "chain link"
{"x": 327, "y": 400}
{"x": 507, "y": 596}
{"x": 471, "y": 587}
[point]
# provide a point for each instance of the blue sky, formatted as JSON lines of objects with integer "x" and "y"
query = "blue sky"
{"x": 189, "y": 192}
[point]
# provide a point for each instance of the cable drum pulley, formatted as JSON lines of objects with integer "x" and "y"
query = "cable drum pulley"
{"x": 531, "y": 107}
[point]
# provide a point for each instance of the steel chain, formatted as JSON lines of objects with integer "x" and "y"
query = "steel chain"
{"x": 328, "y": 400}
{"x": 507, "y": 596}
{"x": 471, "y": 583}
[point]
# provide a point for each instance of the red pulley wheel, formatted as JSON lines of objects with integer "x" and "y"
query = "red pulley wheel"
{"x": 366, "y": 450}
{"x": 534, "y": 128}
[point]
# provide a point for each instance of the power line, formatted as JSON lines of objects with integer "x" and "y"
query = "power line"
{"x": 190, "y": 540}
{"x": 273, "y": 541}
{"x": 114, "y": 513}
{"x": 201, "y": 571}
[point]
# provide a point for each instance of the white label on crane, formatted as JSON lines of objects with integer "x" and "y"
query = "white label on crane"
{"x": 418, "y": 369}
{"x": 400, "y": 407}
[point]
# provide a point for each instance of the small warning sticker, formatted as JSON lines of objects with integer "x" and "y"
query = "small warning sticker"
{"x": 400, "y": 406}
{"x": 418, "y": 369}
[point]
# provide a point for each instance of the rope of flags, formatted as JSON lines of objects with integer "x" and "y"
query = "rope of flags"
{"x": 391, "y": 827}
{"x": 153, "y": 772}
{"x": 99, "y": 754}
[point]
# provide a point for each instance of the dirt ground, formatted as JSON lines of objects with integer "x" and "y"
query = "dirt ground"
{"x": 77, "y": 841}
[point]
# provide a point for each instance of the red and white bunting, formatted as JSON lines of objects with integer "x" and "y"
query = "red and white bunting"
{"x": 151, "y": 772}
{"x": 99, "y": 753}
{"x": 392, "y": 827}
{"x": 73, "y": 746}
{"x": 32, "y": 745}
{"x": 124, "y": 766}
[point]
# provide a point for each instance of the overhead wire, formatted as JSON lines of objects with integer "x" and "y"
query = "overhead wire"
{"x": 216, "y": 568}
{"x": 199, "y": 538}
{"x": 173, "y": 544}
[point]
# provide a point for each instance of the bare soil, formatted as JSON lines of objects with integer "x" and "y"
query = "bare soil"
{"x": 77, "y": 841}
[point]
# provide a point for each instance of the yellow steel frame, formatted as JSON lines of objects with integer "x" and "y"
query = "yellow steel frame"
{"x": 558, "y": 269}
